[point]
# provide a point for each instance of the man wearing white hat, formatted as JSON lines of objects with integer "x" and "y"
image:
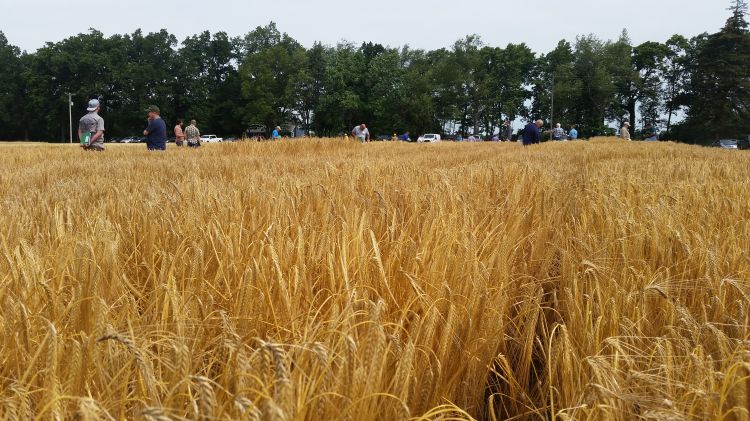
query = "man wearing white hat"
{"x": 91, "y": 128}
{"x": 625, "y": 131}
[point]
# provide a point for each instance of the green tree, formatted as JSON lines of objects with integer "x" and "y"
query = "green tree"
{"x": 341, "y": 105}
{"x": 11, "y": 91}
{"x": 271, "y": 75}
{"x": 719, "y": 98}
{"x": 626, "y": 81}
{"x": 554, "y": 73}
{"x": 311, "y": 85}
{"x": 674, "y": 76}
{"x": 650, "y": 61}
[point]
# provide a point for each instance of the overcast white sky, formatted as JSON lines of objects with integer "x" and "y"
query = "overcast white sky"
{"x": 419, "y": 23}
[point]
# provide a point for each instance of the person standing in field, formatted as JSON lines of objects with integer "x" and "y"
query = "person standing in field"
{"x": 507, "y": 131}
{"x": 91, "y": 128}
{"x": 650, "y": 133}
{"x": 558, "y": 133}
{"x": 179, "y": 134}
{"x": 156, "y": 132}
{"x": 193, "y": 135}
{"x": 625, "y": 131}
{"x": 573, "y": 133}
{"x": 361, "y": 133}
{"x": 276, "y": 135}
{"x": 531, "y": 134}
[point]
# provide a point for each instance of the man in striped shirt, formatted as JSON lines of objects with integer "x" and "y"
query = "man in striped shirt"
{"x": 193, "y": 135}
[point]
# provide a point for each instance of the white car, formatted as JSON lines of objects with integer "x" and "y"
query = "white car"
{"x": 429, "y": 138}
{"x": 211, "y": 138}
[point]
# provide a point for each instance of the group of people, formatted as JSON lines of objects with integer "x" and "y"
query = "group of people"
{"x": 532, "y": 133}
{"x": 650, "y": 133}
{"x": 189, "y": 136}
{"x": 91, "y": 130}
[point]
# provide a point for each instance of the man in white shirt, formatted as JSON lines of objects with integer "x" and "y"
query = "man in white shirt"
{"x": 361, "y": 133}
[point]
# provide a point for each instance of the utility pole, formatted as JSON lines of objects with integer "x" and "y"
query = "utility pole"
{"x": 552, "y": 108}
{"x": 70, "y": 115}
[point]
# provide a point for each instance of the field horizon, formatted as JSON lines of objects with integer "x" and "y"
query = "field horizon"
{"x": 325, "y": 279}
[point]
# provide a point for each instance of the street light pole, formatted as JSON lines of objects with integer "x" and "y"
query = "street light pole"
{"x": 70, "y": 116}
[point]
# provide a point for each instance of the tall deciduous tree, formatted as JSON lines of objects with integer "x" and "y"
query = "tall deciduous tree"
{"x": 11, "y": 91}
{"x": 719, "y": 102}
{"x": 271, "y": 75}
{"x": 674, "y": 77}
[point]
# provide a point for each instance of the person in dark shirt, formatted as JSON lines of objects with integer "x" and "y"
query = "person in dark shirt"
{"x": 507, "y": 130}
{"x": 531, "y": 134}
{"x": 156, "y": 132}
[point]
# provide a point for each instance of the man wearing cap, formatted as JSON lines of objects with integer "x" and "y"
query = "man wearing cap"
{"x": 276, "y": 135}
{"x": 625, "y": 131}
{"x": 156, "y": 132}
{"x": 361, "y": 133}
{"x": 91, "y": 128}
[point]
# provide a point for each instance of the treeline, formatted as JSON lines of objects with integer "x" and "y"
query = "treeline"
{"x": 694, "y": 89}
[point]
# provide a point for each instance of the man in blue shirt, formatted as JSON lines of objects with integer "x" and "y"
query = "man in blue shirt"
{"x": 531, "y": 134}
{"x": 573, "y": 133}
{"x": 276, "y": 135}
{"x": 650, "y": 134}
{"x": 156, "y": 133}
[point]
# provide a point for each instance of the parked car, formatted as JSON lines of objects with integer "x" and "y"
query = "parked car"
{"x": 429, "y": 138}
{"x": 211, "y": 138}
{"x": 726, "y": 144}
{"x": 131, "y": 139}
{"x": 231, "y": 139}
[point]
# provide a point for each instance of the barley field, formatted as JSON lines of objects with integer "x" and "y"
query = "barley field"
{"x": 328, "y": 280}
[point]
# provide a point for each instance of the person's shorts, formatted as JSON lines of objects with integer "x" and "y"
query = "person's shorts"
{"x": 193, "y": 144}
{"x": 179, "y": 142}
{"x": 157, "y": 147}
